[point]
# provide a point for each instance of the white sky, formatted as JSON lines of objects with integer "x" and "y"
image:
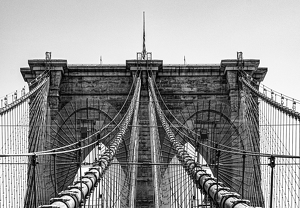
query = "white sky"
{"x": 203, "y": 31}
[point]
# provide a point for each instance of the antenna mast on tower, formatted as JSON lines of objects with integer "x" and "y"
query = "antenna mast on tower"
{"x": 144, "y": 52}
{"x": 144, "y": 55}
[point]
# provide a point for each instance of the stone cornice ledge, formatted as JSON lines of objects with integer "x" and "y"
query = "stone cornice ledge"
{"x": 234, "y": 64}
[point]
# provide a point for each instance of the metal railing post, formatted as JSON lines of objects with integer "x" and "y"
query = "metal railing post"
{"x": 272, "y": 165}
{"x": 243, "y": 176}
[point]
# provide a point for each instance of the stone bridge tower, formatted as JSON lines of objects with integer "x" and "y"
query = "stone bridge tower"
{"x": 82, "y": 98}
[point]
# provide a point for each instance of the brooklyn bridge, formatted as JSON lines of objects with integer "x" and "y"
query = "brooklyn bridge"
{"x": 146, "y": 134}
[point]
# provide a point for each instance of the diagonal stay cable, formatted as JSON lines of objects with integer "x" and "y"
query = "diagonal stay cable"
{"x": 55, "y": 151}
{"x": 215, "y": 190}
{"x": 91, "y": 178}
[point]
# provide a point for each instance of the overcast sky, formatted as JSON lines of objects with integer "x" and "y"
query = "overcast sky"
{"x": 202, "y": 31}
